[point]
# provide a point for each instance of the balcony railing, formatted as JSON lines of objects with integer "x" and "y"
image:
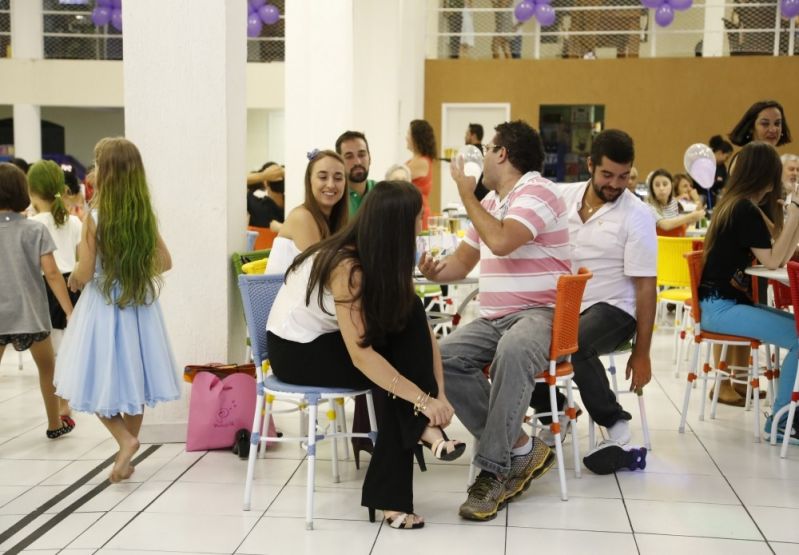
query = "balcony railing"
{"x": 600, "y": 29}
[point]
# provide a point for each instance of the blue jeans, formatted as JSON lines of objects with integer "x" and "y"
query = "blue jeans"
{"x": 517, "y": 347}
{"x": 759, "y": 322}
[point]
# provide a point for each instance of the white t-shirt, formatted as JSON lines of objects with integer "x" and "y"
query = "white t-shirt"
{"x": 291, "y": 319}
{"x": 66, "y": 239}
{"x": 617, "y": 243}
{"x": 283, "y": 253}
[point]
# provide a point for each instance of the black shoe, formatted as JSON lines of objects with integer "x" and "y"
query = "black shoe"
{"x": 609, "y": 457}
{"x": 242, "y": 445}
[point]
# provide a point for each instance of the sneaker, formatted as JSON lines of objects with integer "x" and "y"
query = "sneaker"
{"x": 526, "y": 468}
{"x": 619, "y": 432}
{"x": 609, "y": 456}
{"x": 793, "y": 439}
{"x": 545, "y": 434}
{"x": 485, "y": 498}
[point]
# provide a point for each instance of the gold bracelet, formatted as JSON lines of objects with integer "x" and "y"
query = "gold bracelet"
{"x": 421, "y": 403}
{"x": 393, "y": 386}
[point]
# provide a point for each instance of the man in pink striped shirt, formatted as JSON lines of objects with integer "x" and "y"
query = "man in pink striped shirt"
{"x": 520, "y": 237}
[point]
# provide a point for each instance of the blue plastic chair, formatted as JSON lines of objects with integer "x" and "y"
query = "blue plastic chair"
{"x": 258, "y": 292}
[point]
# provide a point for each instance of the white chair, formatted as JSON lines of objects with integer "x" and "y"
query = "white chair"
{"x": 258, "y": 292}
{"x": 611, "y": 368}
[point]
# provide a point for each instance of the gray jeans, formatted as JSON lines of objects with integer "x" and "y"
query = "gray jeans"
{"x": 518, "y": 345}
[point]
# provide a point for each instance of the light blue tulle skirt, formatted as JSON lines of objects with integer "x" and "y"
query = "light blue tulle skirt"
{"x": 114, "y": 360}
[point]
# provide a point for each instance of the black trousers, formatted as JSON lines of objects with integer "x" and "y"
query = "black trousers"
{"x": 603, "y": 328}
{"x": 326, "y": 362}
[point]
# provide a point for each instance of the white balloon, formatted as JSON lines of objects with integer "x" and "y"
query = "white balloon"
{"x": 472, "y": 160}
{"x": 700, "y": 163}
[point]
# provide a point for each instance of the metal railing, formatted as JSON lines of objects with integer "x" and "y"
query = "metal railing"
{"x": 596, "y": 29}
{"x": 70, "y": 34}
{"x": 5, "y": 29}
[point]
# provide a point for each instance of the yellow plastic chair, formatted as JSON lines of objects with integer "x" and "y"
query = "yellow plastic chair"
{"x": 673, "y": 281}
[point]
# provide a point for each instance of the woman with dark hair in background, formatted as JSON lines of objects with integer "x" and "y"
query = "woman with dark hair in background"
{"x": 348, "y": 316}
{"x": 764, "y": 121}
{"x": 265, "y": 206}
{"x": 421, "y": 141}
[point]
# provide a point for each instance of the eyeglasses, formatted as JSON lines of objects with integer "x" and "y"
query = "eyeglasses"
{"x": 492, "y": 148}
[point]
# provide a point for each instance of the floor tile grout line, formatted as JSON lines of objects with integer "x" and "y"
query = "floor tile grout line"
{"x": 139, "y": 512}
{"x": 723, "y": 475}
{"x": 627, "y": 512}
{"x": 67, "y": 511}
{"x": 66, "y": 492}
{"x": 269, "y": 505}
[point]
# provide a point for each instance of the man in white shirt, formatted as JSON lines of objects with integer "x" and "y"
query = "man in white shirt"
{"x": 612, "y": 233}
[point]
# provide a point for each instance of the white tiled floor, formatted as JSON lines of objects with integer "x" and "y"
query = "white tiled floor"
{"x": 711, "y": 490}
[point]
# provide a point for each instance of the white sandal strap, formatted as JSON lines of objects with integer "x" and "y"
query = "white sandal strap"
{"x": 401, "y": 521}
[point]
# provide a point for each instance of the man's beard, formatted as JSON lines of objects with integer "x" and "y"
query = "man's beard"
{"x": 358, "y": 174}
{"x": 599, "y": 191}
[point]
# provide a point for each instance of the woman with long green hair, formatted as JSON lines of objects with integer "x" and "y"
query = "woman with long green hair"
{"x": 47, "y": 191}
{"x": 116, "y": 356}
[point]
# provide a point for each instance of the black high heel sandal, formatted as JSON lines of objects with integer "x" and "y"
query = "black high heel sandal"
{"x": 419, "y": 454}
{"x": 358, "y": 446}
{"x": 439, "y": 448}
{"x": 401, "y": 521}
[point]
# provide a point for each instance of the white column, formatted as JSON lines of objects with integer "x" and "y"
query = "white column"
{"x": 368, "y": 76}
{"x": 713, "y": 39}
{"x": 27, "y": 42}
{"x": 185, "y": 77}
{"x": 318, "y": 81}
{"x": 27, "y": 132}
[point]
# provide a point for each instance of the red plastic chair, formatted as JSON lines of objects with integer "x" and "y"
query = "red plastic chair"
{"x": 709, "y": 338}
{"x": 790, "y": 408}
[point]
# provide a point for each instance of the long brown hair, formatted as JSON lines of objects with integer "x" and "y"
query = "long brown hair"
{"x": 384, "y": 260}
{"x": 756, "y": 167}
{"x": 338, "y": 215}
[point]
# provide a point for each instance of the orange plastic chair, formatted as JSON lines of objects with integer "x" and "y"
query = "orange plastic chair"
{"x": 709, "y": 338}
{"x": 265, "y": 237}
{"x": 565, "y": 324}
{"x": 790, "y": 408}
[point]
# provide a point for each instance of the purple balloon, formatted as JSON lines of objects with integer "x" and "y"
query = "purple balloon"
{"x": 789, "y": 8}
{"x": 524, "y": 10}
{"x": 101, "y": 16}
{"x": 680, "y": 5}
{"x": 116, "y": 4}
{"x": 105, "y": 4}
{"x": 116, "y": 20}
{"x": 652, "y": 4}
{"x": 256, "y": 4}
{"x": 269, "y": 14}
{"x": 545, "y": 14}
{"x": 664, "y": 15}
{"x": 542, "y": 2}
{"x": 254, "y": 25}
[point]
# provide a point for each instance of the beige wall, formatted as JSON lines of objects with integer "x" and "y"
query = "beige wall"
{"x": 665, "y": 104}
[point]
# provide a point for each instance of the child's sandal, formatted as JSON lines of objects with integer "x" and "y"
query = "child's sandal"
{"x": 65, "y": 429}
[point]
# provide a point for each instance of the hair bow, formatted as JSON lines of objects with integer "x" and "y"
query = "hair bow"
{"x": 313, "y": 154}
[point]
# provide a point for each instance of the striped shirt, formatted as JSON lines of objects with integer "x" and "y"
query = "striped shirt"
{"x": 660, "y": 212}
{"x": 528, "y": 276}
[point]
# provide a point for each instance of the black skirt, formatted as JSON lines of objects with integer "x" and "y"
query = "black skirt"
{"x": 58, "y": 318}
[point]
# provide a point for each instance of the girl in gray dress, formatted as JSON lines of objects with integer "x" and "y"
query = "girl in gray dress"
{"x": 26, "y": 249}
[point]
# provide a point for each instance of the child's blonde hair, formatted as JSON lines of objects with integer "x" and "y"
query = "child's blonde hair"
{"x": 46, "y": 181}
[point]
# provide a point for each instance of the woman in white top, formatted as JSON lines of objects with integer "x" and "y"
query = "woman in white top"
{"x": 348, "y": 316}
{"x": 47, "y": 191}
{"x": 323, "y": 213}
